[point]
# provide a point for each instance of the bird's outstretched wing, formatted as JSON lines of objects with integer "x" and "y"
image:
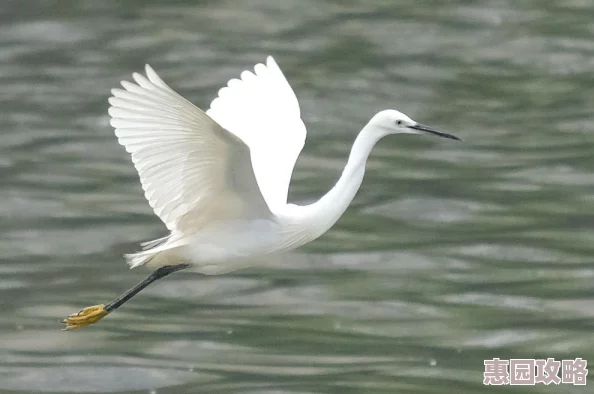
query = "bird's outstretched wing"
{"x": 262, "y": 110}
{"x": 192, "y": 170}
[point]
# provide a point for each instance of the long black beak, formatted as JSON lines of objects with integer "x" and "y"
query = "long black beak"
{"x": 424, "y": 128}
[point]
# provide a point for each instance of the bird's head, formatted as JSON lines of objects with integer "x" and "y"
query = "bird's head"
{"x": 391, "y": 121}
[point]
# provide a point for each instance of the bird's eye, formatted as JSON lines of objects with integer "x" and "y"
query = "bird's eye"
{"x": 399, "y": 122}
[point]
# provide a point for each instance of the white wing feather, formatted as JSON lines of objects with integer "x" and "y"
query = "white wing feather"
{"x": 262, "y": 110}
{"x": 191, "y": 169}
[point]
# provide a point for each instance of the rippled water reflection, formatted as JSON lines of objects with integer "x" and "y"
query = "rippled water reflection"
{"x": 451, "y": 254}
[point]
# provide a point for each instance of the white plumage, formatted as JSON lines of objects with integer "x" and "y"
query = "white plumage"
{"x": 219, "y": 180}
{"x": 263, "y": 111}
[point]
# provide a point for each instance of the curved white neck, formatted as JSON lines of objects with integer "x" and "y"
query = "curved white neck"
{"x": 326, "y": 211}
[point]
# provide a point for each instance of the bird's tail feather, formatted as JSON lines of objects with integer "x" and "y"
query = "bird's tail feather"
{"x": 146, "y": 255}
{"x": 154, "y": 243}
{"x": 138, "y": 259}
{"x": 156, "y": 252}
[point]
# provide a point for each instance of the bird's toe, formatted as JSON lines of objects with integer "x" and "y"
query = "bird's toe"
{"x": 85, "y": 317}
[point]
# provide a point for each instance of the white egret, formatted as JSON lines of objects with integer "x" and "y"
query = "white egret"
{"x": 219, "y": 179}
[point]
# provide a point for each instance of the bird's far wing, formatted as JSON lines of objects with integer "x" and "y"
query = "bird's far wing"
{"x": 191, "y": 169}
{"x": 262, "y": 110}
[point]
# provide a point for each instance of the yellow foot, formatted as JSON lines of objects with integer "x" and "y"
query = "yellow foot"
{"x": 85, "y": 317}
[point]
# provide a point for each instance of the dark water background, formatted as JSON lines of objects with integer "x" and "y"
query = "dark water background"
{"x": 451, "y": 253}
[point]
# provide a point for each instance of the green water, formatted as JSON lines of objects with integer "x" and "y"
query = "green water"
{"x": 452, "y": 253}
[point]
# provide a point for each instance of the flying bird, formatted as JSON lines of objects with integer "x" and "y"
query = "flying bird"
{"x": 219, "y": 179}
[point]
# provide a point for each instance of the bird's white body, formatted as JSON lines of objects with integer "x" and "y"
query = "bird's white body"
{"x": 219, "y": 179}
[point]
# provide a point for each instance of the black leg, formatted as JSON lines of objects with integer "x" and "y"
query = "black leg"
{"x": 156, "y": 275}
{"x": 93, "y": 314}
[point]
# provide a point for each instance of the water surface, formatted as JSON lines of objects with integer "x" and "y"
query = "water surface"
{"x": 452, "y": 253}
